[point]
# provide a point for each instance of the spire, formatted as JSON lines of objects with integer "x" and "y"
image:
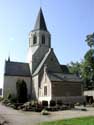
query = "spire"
{"x": 40, "y": 22}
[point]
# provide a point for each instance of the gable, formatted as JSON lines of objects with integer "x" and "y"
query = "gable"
{"x": 51, "y": 61}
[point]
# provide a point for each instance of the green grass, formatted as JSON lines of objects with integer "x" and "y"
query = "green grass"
{"x": 73, "y": 121}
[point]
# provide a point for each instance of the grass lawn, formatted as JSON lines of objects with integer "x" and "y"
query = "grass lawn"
{"x": 73, "y": 121}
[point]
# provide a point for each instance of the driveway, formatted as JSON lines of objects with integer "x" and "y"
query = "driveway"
{"x": 15, "y": 117}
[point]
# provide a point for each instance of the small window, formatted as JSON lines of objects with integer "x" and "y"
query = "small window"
{"x": 34, "y": 40}
{"x": 45, "y": 90}
{"x": 43, "y": 39}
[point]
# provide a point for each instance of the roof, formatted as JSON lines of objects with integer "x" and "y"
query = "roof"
{"x": 42, "y": 62}
{"x": 40, "y": 22}
{"x": 16, "y": 69}
{"x": 63, "y": 77}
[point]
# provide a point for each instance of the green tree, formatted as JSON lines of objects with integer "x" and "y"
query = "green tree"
{"x": 74, "y": 67}
{"x": 21, "y": 91}
{"x": 90, "y": 40}
{"x": 87, "y": 67}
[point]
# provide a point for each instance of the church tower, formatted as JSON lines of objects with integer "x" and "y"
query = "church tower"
{"x": 39, "y": 42}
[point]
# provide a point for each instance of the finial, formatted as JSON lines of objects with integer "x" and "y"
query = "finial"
{"x": 9, "y": 56}
{"x": 45, "y": 68}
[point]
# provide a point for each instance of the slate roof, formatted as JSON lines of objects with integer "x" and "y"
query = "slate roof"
{"x": 63, "y": 77}
{"x": 17, "y": 69}
{"x": 40, "y": 22}
{"x": 42, "y": 62}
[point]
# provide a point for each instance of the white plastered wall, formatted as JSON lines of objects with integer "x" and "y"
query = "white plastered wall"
{"x": 35, "y": 89}
{"x": 89, "y": 93}
{"x": 10, "y": 84}
{"x": 45, "y": 82}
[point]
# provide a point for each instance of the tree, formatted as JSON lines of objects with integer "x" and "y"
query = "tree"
{"x": 21, "y": 91}
{"x": 85, "y": 69}
{"x": 90, "y": 40}
{"x": 88, "y": 63}
{"x": 74, "y": 67}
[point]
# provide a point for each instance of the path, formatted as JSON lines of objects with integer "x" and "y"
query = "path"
{"x": 31, "y": 118}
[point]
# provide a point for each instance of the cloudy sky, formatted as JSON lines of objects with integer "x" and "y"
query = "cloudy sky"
{"x": 69, "y": 21}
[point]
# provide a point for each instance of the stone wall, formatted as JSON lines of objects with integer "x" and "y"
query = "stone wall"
{"x": 35, "y": 89}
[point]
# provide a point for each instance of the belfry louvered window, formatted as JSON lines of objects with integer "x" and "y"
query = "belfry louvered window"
{"x": 43, "y": 39}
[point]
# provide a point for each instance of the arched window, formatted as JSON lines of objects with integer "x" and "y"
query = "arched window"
{"x": 43, "y": 39}
{"x": 34, "y": 40}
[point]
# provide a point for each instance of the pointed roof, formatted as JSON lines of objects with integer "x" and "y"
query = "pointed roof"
{"x": 40, "y": 22}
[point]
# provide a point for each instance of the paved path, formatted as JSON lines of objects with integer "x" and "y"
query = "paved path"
{"x": 31, "y": 118}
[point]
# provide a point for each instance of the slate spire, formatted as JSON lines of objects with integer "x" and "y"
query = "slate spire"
{"x": 40, "y": 22}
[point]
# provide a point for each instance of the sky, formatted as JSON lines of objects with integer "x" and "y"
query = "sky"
{"x": 68, "y": 21}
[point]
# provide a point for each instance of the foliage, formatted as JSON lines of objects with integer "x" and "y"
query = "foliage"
{"x": 21, "y": 91}
{"x": 52, "y": 103}
{"x": 88, "y": 64}
{"x": 31, "y": 106}
{"x": 89, "y": 56}
{"x": 59, "y": 102}
{"x": 44, "y": 112}
{"x": 73, "y": 121}
{"x": 10, "y": 97}
{"x": 90, "y": 40}
{"x": 85, "y": 69}
{"x": 44, "y": 103}
{"x": 1, "y": 98}
{"x": 5, "y": 101}
{"x": 74, "y": 67}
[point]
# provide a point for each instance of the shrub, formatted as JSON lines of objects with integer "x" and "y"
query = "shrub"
{"x": 1, "y": 98}
{"x": 52, "y": 103}
{"x": 21, "y": 91}
{"x": 44, "y": 112}
{"x": 5, "y": 101}
{"x": 11, "y": 98}
{"x": 59, "y": 102}
{"x": 44, "y": 103}
{"x": 92, "y": 104}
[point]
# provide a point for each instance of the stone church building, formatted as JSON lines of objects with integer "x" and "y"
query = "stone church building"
{"x": 45, "y": 78}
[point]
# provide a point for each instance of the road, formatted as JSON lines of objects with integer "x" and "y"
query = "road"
{"x": 15, "y": 117}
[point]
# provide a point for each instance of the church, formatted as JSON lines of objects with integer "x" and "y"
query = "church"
{"x": 45, "y": 77}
